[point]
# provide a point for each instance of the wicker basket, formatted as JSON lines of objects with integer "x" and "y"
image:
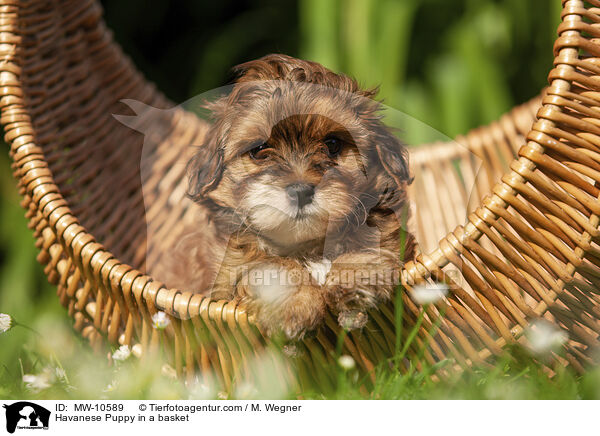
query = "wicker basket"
{"x": 529, "y": 248}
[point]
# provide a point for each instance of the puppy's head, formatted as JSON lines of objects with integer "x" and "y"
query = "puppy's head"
{"x": 297, "y": 151}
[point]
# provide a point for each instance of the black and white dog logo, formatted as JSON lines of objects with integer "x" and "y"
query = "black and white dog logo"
{"x": 26, "y": 415}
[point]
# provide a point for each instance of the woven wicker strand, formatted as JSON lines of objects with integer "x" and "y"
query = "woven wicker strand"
{"x": 522, "y": 246}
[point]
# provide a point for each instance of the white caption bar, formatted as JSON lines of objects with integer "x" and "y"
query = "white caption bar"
{"x": 266, "y": 418}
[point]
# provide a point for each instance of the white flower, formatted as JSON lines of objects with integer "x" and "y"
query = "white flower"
{"x": 5, "y": 322}
{"x": 36, "y": 383}
{"x": 45, "y": 379}
{"x": 110, "y": 387}
{"x": 160, "y": 320}
{"x": 122, "y": 353}
{"x": 544, "y": 336}
{"x": 429, "y": 293}
{"x": 346, "y": 362}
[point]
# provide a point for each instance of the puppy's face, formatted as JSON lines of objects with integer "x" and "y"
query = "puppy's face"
{"x": 294, "y": 158}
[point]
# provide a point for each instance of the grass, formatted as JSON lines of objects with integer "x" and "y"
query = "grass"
{"x": 453, "y": 65}
{"x": 65, "y": 368}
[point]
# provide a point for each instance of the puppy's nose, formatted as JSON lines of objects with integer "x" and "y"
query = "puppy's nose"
{"x": 300, "y": 194}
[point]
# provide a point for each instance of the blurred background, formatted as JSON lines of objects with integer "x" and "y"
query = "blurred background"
{"x": 453, "y": 64}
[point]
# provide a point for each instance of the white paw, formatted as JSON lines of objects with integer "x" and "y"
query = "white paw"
{"x": 319, "y": 270}
{"x": 272, "y": 283}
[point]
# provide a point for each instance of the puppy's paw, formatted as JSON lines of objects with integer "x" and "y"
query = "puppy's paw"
{"x": 296, "y": 316}
{"x": 348, "y": 289}
{"x": 351, "y": 291}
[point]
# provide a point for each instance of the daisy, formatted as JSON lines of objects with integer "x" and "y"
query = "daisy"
{"x": 160, "y": 320}
{"x": 429, "y": 293}
{"x": 122, "y": 353}
{"x": 544, "y": 336}
{"x": 5, "y": 322}
{"x": 36, "y": 383}
{"x": 346, "y": 362}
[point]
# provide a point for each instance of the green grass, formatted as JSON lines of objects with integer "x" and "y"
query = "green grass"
{"x": 73, "y": 371}
{"x": 454, "y": 65}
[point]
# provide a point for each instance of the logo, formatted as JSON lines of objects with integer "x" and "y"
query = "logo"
{"x": 26, "y": 415}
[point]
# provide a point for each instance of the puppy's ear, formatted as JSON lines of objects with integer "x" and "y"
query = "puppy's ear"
{"x": 205, "y": 169}
{"x": 393, "y": 158}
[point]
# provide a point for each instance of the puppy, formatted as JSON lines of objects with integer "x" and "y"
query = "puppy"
{"x": 304, "y": 191}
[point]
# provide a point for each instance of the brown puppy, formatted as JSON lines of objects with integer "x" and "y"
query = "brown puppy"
{"x": 304, "y": 188}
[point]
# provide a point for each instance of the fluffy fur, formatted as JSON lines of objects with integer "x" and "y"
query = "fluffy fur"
{"x": 295, "y": 252}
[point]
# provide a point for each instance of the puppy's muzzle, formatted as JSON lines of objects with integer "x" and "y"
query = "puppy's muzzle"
{"x": 300, "y": 194}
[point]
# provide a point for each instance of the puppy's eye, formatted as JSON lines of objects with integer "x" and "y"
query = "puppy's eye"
{"x": 257, "y": 152}
{"x": 334, "y": 146}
